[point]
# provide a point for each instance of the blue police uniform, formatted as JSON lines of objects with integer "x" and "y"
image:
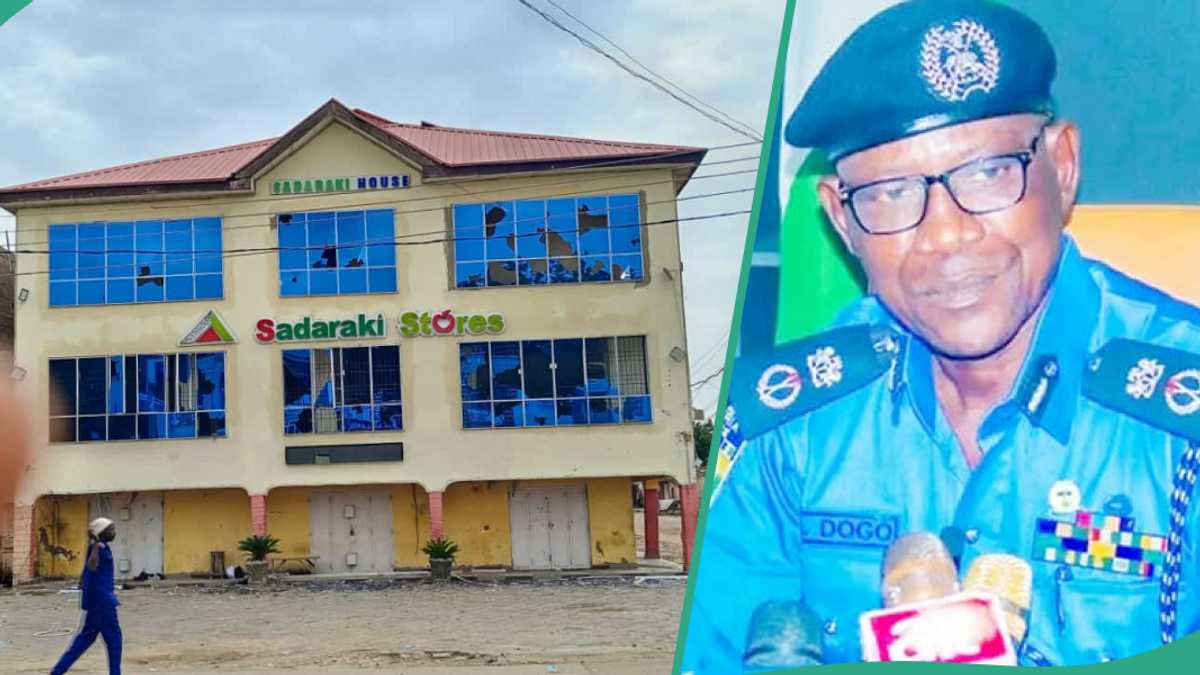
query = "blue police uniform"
{"x": 1099, "y": 427}
{"x": 98, "y": 599}
{"x": 834, "y": 445}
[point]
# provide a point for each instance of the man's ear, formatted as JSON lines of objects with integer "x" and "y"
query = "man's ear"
{"x": 1063, "y": 146}
{"x": 831, "y": 203}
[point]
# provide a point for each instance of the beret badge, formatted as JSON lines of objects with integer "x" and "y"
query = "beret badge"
{"x": 960, "y": 60}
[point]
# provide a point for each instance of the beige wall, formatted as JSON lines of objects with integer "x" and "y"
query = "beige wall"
{"x": 437, "y": 451}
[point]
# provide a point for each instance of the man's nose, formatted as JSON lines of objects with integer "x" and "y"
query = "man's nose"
{"x": 946, "y": 227}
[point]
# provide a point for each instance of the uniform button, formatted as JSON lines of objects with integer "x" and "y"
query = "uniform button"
{"x": 972, "y": 535}
{"x": 831, "y": 626}
{"x": 1050, "y": 369}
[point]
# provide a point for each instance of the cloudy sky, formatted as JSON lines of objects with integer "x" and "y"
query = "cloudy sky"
{"x": 87, "y": 85}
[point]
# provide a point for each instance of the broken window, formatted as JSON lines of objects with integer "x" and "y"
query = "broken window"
{"x": 337, "y": 253}
{"x": 554, "y": 382}
{"x": 548, "y": 241}
{"x": 106, "y": 263}
{"x": 342, "y": 389}
{"x": 138, "y": 397}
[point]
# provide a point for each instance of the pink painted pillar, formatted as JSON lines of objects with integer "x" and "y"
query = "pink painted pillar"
{"x": 651, "y": 513}
{"x": 258, "y": 515}
{"x": 24, "y": 550}
{"x": 435, "y": 515}
{"x": 689, "y": 497}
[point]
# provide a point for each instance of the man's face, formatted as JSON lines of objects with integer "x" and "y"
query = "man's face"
{"x": 109, "y": 533}
{"x": 965, "y": 283}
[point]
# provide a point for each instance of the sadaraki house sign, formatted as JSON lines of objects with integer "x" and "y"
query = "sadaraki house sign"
{"x": 300, "y": 186}
{"x": 364, "y": 326}
{"x": 445, "y": 322}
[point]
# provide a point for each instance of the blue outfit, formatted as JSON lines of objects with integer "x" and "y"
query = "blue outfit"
{"x": 98, "y": 599}
{"x": 831, "y": 468}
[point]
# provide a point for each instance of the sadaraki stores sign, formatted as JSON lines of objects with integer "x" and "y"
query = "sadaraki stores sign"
{"x": 366, "y": 326}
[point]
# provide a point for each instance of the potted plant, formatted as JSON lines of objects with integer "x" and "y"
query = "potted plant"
{"x": 441, "y": 556}
{"x": 257, "y": 548}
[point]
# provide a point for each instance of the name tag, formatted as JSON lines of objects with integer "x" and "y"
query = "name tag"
{"x": 849, "y": 529}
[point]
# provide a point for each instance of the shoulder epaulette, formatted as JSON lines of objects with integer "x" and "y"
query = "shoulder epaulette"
{"x": 1157, "y": 385}
{"x": 797, "y": 377}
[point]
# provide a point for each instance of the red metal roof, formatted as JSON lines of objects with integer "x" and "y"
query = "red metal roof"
{"x": 447, "y": 146}
{"x": 472, "y": 147}
{"x": 208, "y": 165}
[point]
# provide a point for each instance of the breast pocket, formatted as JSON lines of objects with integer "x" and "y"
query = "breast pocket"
{"x": 840, "y": 582}
{"x": 1106, "y": 616}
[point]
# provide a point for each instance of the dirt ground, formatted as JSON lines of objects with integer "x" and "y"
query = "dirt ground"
{"x": 670, "y": 541}
{"x": 361, "y": 624}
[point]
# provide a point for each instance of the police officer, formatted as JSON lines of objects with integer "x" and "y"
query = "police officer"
{"x": 99, "y": 601}
{"x": 995, "y": 386}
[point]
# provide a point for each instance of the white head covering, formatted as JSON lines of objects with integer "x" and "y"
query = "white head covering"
{"x": 99, "y": 525}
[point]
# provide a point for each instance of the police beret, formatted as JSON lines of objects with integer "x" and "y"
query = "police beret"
{"x": 922, "y": 65}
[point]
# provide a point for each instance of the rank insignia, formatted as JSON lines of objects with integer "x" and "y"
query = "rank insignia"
{"x": 1100, "y": 541}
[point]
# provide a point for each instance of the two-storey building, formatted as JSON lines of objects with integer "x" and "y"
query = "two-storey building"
{"x": 355, "y": 337}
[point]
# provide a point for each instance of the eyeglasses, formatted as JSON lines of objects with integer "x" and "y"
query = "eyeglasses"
{"x": 980, "y": 186}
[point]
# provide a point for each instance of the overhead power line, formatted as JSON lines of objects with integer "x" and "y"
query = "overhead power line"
{"x": 442, "y": 207}
{"x": 385, "y": 201}
{"x": 599, "y": 50}
{"x": 710, "y": 378}
{"x": 650, "y": 70}
{"x": 240, "y": 252}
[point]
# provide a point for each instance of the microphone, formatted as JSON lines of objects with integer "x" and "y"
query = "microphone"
{"x": 784, "y": 635}
{"x": 917, "y": 567}
{"x": 926, "y": 617}
{"x": 1011, "y": 580}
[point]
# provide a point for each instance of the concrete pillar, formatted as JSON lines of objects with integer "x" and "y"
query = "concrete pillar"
{"x": 435, "y": 514}
{"x": 651, "y": 514}
{"x": 689, "y": 497}
{"x": 24, "y": 548}
{"x": 258, "y": 515}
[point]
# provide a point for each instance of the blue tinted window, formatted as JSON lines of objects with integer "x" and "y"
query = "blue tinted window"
{"x": 91, "y": 251}
{"x": 568, "y": 381}
{"x": 551, "y": 241}
{"x": 116, "y": 384}
{"x": 63, "y": 254}
{"x": 337, "y": 253}
{"x": 593, "y": 225}
{"x": 624, "y": 223}
{"x": 506, "y": 370}
{"x": 475, "y": 373}
{"x": 499, "y": 231}
{"x": 531, "y": 229}
{"x": 93, "y": 386}
{"x": 342, "y": 389}
{"x": 381, "y": 234}
{"x": 146, "y": 396}
{"x": 120, "y": 247}
{"x": 468, "y": 232}
{"x": 62, "y": 387}
{"x": 125, "y": 262}
{"x": 536, "y": 369}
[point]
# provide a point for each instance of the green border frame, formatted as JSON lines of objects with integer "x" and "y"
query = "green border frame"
{"x": 1183, "y": 656}
{"x": 772, "y": 130}
{"x": 9, "y": 8}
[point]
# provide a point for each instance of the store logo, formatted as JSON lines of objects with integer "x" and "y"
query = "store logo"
{"x": 363, "y": 326}
{"x": 210, "y": 330}
{"x": 297, "y": 186}
{"x": 445, "y": 322}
